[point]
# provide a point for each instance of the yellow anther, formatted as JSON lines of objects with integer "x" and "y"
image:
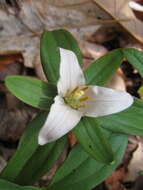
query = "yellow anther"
{"x": 85, "y": 88}
{"x": 84, "y": 99}
{"x": 79, "y": 94}
{"x": 75, "y": 89}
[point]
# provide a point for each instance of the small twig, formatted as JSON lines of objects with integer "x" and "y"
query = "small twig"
{"x": 73, "y": 4}
{"x": 29, "y": 28}
{"x": 96, "y": 23}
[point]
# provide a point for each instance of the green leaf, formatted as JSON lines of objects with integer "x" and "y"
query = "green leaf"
{"x": 135, "y": 57}
{"x": 50, "y": 56}
{"x": 31, "y": 91}
{"x": 140, "y": 92}
{"x": 100, "y": 71}
{"x": 140, "y": 172}
{"x": 5, "y": 185}
{"x": 49, "y": 50}
{"x": 65, "y": 40}
{"x": 80, "y": 171}
{"x": 31, "y": 161}
{"x": 93, "y": 141}
{"x": 129, "y": 121}
{"x": 41, "y": 162}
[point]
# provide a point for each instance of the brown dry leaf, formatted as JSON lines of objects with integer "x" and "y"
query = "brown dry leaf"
{"x": 38, "y": 66}
{"x": 7, "y": 150}
{"x": 113, "y": 181}
{"x": 138, "y": 184}
{"x": 72, "y": 139}
{"x": 136, "y": 164}
{"x": 23, "y": 44}
{"x": 10, "y": 64}
{"x": 20, "y": 32}
{"x": 13, "y": 123}
{"x": 10, "y": 58}
{"x": 121, "y": 10}
{"x": 116, "y": 180}
{"x": 117, "y": 82}
{"x": 14, "y": 116}
{"x": 2, "y": 67}
{"x": 2, "y": 163}
{"x": 48, "y": 177}
{"x": 92, "y": 50}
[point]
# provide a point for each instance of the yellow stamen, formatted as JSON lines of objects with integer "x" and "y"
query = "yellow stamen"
{"x": 79, "y": 94}
{"x": 85, "y": 88}
{"x": 75, "y": 89}
{"x": 84, "y": 99}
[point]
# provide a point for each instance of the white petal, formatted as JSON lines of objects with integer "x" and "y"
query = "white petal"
{"x": 135, "y": 6}
{"x": 105, "y": 101}
{"x": 60, "y": 121}
{"x": 71, "y": 74}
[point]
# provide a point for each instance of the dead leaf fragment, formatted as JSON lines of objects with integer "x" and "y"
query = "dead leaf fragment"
{"x": 117, "y": 82}
{"x": 2, "y": 163}
{"x": 136, "y": 164}
{"x": 10, "y": 64}
{"x": 121, "y": 10}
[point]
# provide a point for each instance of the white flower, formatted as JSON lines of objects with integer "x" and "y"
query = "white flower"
{"x": 75, "y": 99}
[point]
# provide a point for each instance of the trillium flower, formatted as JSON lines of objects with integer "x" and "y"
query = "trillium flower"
{"x": 75, "y": 99}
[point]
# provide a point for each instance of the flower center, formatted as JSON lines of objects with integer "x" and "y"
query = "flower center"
{"x": 76, "y": 97}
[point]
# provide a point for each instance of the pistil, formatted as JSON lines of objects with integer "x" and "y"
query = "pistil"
{"x": 76, "y": 97}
